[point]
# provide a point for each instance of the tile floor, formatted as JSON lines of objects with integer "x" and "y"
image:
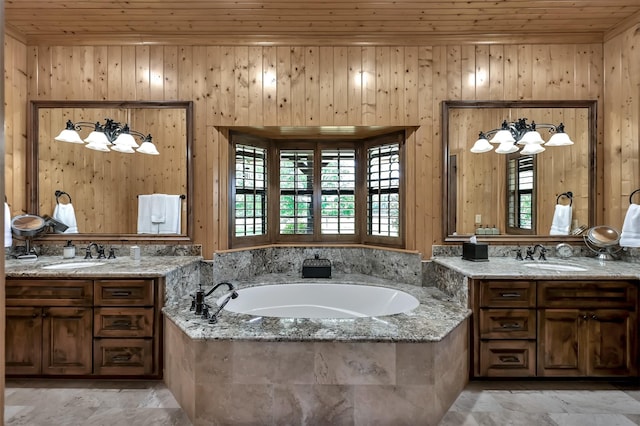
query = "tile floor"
{"x": 512, "y": 403}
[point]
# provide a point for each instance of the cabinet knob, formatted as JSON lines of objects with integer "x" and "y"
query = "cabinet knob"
{"x": 594, "y": 317}
{"x": 35, "y": 315}
{"x": 585, "y": 317}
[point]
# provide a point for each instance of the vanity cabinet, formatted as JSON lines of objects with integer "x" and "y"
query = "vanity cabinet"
{"x": 587, "y": 329}
{"x": 48, "y": 327}
{"x": 507, "y": 329}
{"x": 558, "y": 328}
{"x": 88, "y": 327}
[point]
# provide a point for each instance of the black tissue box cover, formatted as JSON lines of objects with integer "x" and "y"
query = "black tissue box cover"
{"x": 476, "y": 252}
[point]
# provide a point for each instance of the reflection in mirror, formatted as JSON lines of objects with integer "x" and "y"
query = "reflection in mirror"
{"x": 493, "y": 194}
{"x": 105, "y": 186}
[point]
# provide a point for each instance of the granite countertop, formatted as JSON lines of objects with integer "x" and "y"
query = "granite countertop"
{"x": 435, "y": 317}
{"x": 507, "y": 267}
{"x": 148, "y": 266}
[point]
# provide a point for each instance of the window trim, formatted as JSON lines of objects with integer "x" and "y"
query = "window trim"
{"x": 274, "y": 145}
{"x": 517, "y": 230}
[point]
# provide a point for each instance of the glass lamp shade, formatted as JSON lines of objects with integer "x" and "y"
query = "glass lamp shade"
{"x": 97, "y": 146}
{"x": 531, "y": 137}
{"x": 125, "y": 139}
{"x": 97, "y": 137}
{"x": 123, "y": 148}
{"x": 148, "y": 147}
{"x": 481, "y": 145}
{"x": 532, "y": 148}
{"x": 503, "y": 136}
{"x": 70, "y": 136}
{"x": 506, "y": 148}
{"x": 559, "y": 139}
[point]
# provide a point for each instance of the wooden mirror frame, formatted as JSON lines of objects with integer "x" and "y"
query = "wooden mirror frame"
{"x": 33, "y": 172}
{"x": 590, "y": 105}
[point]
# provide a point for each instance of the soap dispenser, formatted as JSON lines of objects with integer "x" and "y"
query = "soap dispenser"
{"x": 69, "y": 250}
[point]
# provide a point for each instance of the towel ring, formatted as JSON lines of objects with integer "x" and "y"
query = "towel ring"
{"x": 567, "y": 194}
{"x": 632, "y": 194}
{"x": 60, "y": 194}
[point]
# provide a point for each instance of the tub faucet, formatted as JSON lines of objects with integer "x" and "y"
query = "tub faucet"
{"x": 214, "y": 317}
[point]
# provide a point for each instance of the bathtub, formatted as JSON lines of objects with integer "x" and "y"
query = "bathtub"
{"x": 320, "y": 300}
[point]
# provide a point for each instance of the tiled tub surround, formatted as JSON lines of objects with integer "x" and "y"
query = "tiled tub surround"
{"x": 400, "y": 369}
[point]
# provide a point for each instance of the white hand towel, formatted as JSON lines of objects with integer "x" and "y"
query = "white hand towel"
{"x": 630, "y": 235}
{"x": 145, "y": 225}
{"x": 8, "y": 238}
{"x": 171, "y": 225}
{"x": 66, "y": 214}
{"x": 561, "y": 223}
{"x": 158, "y": 208}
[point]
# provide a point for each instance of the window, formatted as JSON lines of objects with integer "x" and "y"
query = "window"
{"x": 320, "y": 192}
{"x": 296, "y": 192}
{"x": 338, "y": 191}
{"x": 521, "y": 192}
{"x": 250, "y": 191}
{"x": 383, "y": 183}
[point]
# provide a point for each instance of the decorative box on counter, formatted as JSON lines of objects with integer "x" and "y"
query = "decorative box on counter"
{"x": 316, "y": 268}
{"x": 475, "y": 252}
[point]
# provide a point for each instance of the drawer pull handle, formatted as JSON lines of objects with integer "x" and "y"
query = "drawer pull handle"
{"x": 121, "y": 293}
{"x": 121, "y": 358}
{"x": 510, "y": 295}
{"x": 122, "y": 323}
{"x": 508, "y": 358}
{"x": 510, "y": 325}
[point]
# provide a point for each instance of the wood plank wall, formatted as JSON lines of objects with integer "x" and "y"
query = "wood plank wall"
{"x": 306, "y": 85}
{"x": 622, "y": 124}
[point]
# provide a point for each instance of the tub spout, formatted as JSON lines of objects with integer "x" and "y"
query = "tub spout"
{"x": 215, "y": 287}
{"x": 214, "y": 316}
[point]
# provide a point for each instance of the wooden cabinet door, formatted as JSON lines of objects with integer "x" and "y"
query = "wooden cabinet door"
{"x": 23, "y": 340}
{"x": 67, "y": 338}
{"x": 560, "y": 342}
{"x": 612, "y": 340}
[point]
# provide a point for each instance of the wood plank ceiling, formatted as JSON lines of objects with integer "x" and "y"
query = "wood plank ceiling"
{"x": 148, "y": 20}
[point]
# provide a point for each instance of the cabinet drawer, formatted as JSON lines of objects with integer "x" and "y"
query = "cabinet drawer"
{"x": 508, "y": 358}
{"x": 507, "y": 324}
{"x": 587, "y": 294}
{"x": 124, "y": 293}
{"x": 507, "y": 294}
{"x": 123, "y": 322}
{"x": 123, "y": 357}
{"x": 49, "y": 292}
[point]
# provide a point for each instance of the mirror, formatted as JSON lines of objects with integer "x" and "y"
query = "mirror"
{"x": 478, "y": 187}
{"x": 104, "y": 186}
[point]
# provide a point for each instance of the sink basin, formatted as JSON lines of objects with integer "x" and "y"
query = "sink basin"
{"x": 554, "y": 267}
{"x": 73, "y": 265}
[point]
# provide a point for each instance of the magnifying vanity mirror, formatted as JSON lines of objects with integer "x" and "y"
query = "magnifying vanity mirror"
{"x": 513, "y": 196}
{"x": 105, "y": 186}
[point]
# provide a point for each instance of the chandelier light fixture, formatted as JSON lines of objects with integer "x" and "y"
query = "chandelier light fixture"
{"x": 519, "y": 132}
{"x": 109, "y": 136}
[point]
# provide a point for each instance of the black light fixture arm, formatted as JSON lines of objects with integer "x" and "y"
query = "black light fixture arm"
{"x": 520, "y": 127}
{"x": 111, "y": 128}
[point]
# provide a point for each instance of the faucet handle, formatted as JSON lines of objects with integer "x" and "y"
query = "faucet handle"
{"x": 543, "y": 252}
{"x": 518, "y": 253}
{"x": 101, "y": 254}
{"x": 87, "y": 252}
{"x": 112, "y": 253}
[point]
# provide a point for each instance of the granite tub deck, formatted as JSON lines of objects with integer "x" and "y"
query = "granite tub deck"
{"x": 399, "y": 369}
